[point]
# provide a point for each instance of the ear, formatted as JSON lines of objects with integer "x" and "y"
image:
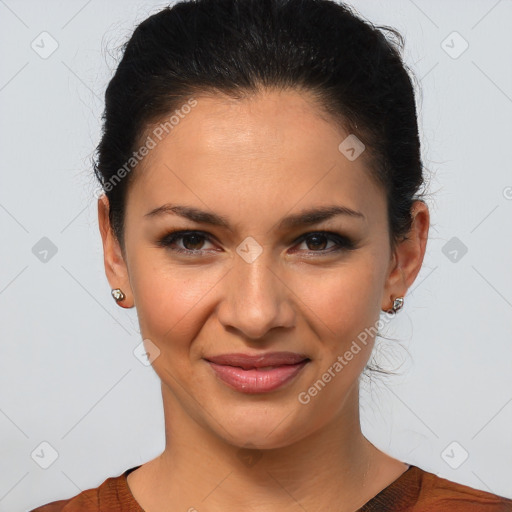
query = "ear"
{"x": 408, "y": 256}
{"x": 115, "y": 265}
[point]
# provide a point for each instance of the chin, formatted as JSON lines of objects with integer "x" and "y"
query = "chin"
{"x": 259, "y": 441}
{"x": 264, "y": 431}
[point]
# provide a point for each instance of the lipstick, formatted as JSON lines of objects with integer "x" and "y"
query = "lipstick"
{"x": 257, "y": 373}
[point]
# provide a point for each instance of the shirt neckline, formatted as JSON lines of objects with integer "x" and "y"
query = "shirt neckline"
{"x": 372, "y": 502}
{"x": 384, "y": 495}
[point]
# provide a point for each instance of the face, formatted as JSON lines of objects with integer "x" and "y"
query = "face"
{"x": 256, "y": 282}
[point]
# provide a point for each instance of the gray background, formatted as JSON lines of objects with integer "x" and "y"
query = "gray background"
{"x": 68, "y": 375}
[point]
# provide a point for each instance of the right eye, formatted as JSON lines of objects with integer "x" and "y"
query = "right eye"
{"x": 188, "y": 238}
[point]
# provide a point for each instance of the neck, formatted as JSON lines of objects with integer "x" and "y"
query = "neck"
{"x": 334, "y": 467}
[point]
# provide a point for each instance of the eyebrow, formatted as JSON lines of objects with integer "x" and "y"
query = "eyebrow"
{"x": 304, "y": 218}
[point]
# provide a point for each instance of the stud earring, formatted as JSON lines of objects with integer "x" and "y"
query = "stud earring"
{"x": 118, "y": 294}
{"x": 398, "y": 303}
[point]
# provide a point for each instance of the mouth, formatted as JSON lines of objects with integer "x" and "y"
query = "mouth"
{"x": 257, "y": 374}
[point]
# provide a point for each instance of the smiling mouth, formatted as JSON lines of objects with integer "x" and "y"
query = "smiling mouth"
{"x": 261, "y": 379}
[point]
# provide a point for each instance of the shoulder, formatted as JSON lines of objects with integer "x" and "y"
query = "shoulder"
{"x": 86, "y": 501}
{"x": 113, "y": 495}
{"x": 440, "y": 494}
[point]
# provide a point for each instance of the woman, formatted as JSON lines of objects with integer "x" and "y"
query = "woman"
{"x": 261, "y": 167}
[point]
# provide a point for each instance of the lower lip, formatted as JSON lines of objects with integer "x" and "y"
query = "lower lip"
{"x": 257, "y": 381}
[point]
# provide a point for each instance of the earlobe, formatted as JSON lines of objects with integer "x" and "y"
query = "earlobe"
{"x": 115, "y": 266}
{"x": 397, "y": 303}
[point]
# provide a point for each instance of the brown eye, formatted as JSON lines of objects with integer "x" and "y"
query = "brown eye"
{"x": 317, "y": 242}
{"x": 192, "y": 242}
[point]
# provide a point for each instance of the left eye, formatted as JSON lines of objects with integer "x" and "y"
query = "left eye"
{"x": 341, "y": 243}
{"x": 193, "y": 241}
{"x": 319, "y": 239}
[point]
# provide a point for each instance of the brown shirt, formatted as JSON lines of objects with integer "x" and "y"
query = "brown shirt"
{"x": 413, "y": 491}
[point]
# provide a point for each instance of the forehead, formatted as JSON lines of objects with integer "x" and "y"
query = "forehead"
{"x": 267, "y": 152}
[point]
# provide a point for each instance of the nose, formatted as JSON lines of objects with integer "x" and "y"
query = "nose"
{"x": 256, "y": 298}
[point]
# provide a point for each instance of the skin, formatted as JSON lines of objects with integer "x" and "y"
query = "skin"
{"x": 256, "y": 161}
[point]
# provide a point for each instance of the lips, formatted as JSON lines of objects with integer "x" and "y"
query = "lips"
{"x": 268, "y": 360}
{"x": 257, "y": 374}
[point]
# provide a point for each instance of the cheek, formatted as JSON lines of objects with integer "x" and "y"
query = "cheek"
{"x": 344, "y": 300}
{"x": 170, "y": 299}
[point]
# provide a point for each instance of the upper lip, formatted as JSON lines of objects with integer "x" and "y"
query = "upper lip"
{"x": 247, "y": 362}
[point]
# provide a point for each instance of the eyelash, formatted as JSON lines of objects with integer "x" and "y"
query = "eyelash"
{"x": 343, "y": 242}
